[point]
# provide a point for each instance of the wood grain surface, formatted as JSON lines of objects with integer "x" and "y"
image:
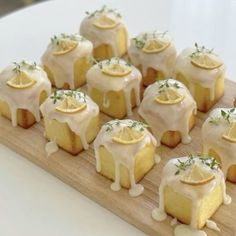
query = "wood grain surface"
{"x": 79, "y": 172}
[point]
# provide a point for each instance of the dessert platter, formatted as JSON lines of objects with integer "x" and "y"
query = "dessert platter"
{"x": 145, "y": 132}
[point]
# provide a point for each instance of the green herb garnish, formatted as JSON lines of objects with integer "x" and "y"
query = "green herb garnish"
{"x": 24, "y": 65}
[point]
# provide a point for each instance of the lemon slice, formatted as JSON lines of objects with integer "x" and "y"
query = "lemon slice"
{"x": 230, "y": 133}
{"x": 104, "y": 22}
{"x": 65, "y": 46}
{"x": 169, "y": 96}
{"x": 128, "y": 135}
{"x": 70, "y": 105}
{"x": 204, "y": 61}
{"x": 21, "y": 81}
{"x": 154, "y": 46}
{"x": 116, "y": 70}
{"x": 197, "y": 176}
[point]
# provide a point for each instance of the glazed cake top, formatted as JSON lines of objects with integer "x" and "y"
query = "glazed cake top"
{"x": 218, "y": 133}
{"x": 113, "y": 74}
{"x": 26, "y": 81}
{"x": 167, "y": 105}
{"x": 61, "y": 55}
{"x": 152, "y": 50}
{"x": 200, "y": 65}
{"x": 101, "y": 26}
{"x": 72, "y": 107}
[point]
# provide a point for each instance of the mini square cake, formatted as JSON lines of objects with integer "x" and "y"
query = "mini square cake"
{"x": 105, "y": 29}
{"x": 67, "y": 60}
{"x": 23, "y": 87}
{"x": 219, "y": 139}
{"x": 191, "y": 190}
{"x": 71, "y": 120}
{"x": 169, "y": 109}
{"x": 154, "y": 54}
{"x": 125, "y": 152}
{"x": 203, "y": 73}
{"x": 115, "y": 86}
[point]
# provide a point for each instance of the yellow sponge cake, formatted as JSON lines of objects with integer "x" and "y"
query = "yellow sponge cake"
{"x": 105, "y": 29}
{"x": 23, "y": 87}
{"x": 125, "y": 152}
{"x": 71, "y": 120}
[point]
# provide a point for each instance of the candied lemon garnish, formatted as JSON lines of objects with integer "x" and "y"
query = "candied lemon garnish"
{"x": 154, "y": 46}
{"x": 64, "y": 46}
{"x": 197, "y": 175}
{"x": 230, "y": 133}
{"x": 204, "y": 61}
{"x": 116, "y": 69}
{"x": 70, "y": 105}
{"x": 128, "y": 135}
{"x": 21, "y": 81}
{"x": 169, "y": 96}
{"x": 104, "y": 22}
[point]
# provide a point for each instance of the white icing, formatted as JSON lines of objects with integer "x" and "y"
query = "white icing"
{"x": 174, "y": 222}
{"x": 157, "y": 158}
{"x": 102, "y": 36}
{"x": 186, "y": 230}
{"x": 196, "y": 75}
{"x": 51, "y": 147}
{"x": 163, "y": 118}
{"x": 162, "y": 61}
{"x": 195, "y": 193}
{"x": 159, "y": 214}
{"x": 212, "y": 225}
{"x": 29, "y": 97}
{"x": 105, "y": 83}
{"x": 212, "y": 138}
{"x": 123, "y": 154}
{"x": 62, "y": 66}
{"x": 77, "y": 122}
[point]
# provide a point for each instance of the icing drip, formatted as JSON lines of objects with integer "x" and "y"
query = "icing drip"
{"x": 122, "y": 154}
{"x": 161, "y": 61}
{"x": 212, "y": 138}
{"x": 212, "y": 225}
{"x": 51, "y": 147}
{"x": 197, "y": 75}
{"x": 77, "y": 122}
{"x": 105, "y": 83}
{"x": 172, "y": 178}
{"x": 174, "y": 222}
{"x": 62, "y": 66}
{"x": 157, "y": 158}
{"x": 29, "y": 96}
{"x": 163, "y": 118}
{"x": 102, "y": 36}
{"x": 187, "y": 230}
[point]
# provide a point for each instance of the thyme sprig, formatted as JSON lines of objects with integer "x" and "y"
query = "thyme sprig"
{"x": 23, "y": 65}
{"x": 59, "y": 95}
{"x": 224, "y": 116}
{"x": 114, "y": 60}
{"x": 167, "y": 84}
{"x": 133, "y": 124}
{"x": 103, "y": 10}
{"x": 140, "y": 40}
{"x": 201, "y": 50}
{"x": 207, "y": 161}
{"x": 56, "y": 40}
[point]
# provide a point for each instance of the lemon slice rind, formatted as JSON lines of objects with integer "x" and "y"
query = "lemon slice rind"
{"x": 197, "y": 176}
{"x": 105, "y": 22}
{"x": 205, "y": 62}
{"x": 68, "y": 48}
{"x": 169, "y": 97}
{"x": 117, "y": 70}
{"x": 128, "y": 136}
{"x": 155, "y": 46}
{"x": 21, "y": 81}
{"x": 230, "y": 133}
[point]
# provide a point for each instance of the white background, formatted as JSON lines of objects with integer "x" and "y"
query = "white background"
{"x": 34, "y": 203}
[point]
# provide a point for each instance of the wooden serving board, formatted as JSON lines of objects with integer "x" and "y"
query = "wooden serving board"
{"x": 79, "y": 172}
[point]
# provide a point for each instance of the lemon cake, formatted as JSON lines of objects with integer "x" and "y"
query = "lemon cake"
{"x": 71, "y": 120}
{"x": 125, "y": 152}
{"x": 114, "y": 85}
{"x": 192, "y": 188}
{"x": 203, "y": 72}
{"x": 154, "y": 54}
{"x": 105, "y": 29}
{"x": 23, "y": 87}
{"x": 169, "y": 109}
{"x": 67, "y": 59}
{"x": 219, "y": 139}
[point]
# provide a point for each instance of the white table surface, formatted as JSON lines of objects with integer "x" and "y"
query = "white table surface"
{"x": 34, "y": 203}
